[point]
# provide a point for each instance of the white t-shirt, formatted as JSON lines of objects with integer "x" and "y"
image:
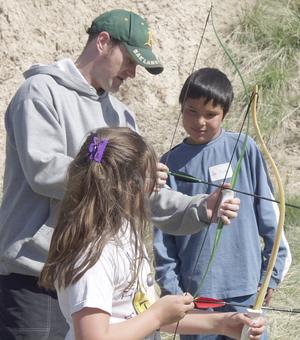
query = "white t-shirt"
{"x": 104, "y": 286}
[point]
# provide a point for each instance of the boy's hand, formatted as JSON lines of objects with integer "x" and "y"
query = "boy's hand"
{"x": 226, "y": 210}
{"x": 268, "y": 296}
{"x": 161, "y": 176}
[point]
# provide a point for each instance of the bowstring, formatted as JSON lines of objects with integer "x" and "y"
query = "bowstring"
{"x": 183, "y": 102}
{"x": 188, "y": 86}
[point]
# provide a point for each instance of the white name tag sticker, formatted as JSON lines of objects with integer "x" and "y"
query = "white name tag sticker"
{"x": 218, "y": 172}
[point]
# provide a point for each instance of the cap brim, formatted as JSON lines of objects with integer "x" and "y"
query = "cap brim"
{"x": 146, "y": 58}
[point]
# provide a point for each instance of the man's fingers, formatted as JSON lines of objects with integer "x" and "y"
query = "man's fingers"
{"x": 161, "y": 176}
{"x": 162, "y": 167}
{"x": 229, "y": 210}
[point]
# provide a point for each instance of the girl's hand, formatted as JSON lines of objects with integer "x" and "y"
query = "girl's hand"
{"x": 226, "y": 210}
{"x": 233, "y": 324}
{"x": 172, "y": 308}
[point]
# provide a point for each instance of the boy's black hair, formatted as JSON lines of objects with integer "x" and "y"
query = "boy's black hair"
{"x": 209, "y": 83}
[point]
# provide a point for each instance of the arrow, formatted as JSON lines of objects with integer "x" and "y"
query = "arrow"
{"x": 202, "y": 302}
{"x": 182, "y": 176}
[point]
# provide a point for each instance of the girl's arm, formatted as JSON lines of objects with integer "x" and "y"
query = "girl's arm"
{"x": 229, "y": 324}
{"x": 93, "y": 323}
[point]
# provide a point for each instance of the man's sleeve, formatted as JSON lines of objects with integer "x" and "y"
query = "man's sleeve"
{"x": 41, "y": 145}
{"x": 178, "y": 214}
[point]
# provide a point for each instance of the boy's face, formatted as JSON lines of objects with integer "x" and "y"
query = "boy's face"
{"x": 201, "y": 121}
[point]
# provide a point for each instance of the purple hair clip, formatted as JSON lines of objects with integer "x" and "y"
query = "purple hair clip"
{"x": 96, "y": 148}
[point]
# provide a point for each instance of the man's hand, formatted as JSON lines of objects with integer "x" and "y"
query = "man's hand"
{"x": 161, "y": 176}
{"x": 226, "y": 210}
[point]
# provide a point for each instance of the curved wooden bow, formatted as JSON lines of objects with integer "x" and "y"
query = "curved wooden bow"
{"x": 257, "y": 308}
{"x": 262, "y": 292}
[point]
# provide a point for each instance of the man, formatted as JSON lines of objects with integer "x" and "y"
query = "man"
{"x": 46, "y": 122}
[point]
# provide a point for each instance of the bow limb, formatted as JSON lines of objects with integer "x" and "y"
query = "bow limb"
{"x": 229, "y": 57}
{"x": 256, "y": 311}
{"x": 178, "y": 119}
{"x": 263, "y": 289}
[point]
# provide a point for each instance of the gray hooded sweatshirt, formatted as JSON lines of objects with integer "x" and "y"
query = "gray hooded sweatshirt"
{"x": 46, "y": 123}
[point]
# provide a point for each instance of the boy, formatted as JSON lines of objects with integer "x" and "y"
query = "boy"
{"x": 239, "y": 264}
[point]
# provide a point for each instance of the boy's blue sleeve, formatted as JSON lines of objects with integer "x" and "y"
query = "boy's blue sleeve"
{"x": 166, "y": 261}
{"x": 267, "y": 214}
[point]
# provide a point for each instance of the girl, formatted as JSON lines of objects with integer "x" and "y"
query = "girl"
{"x": 97, "y": 260}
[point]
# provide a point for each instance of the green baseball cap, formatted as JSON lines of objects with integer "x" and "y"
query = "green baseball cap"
{"x": 133, "y": 31}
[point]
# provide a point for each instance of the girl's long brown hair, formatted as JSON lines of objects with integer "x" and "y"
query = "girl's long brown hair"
{"x": 99, "y": 197}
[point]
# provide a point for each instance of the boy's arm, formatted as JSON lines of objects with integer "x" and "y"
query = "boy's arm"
{"x": 228, "y": 324}
{"x": 94, "y": 323}
{"x": 167, "y": 264}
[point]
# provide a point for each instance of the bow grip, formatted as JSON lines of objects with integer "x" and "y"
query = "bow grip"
{"x": 227, "y": 194}
{"x": 253, "y": 314}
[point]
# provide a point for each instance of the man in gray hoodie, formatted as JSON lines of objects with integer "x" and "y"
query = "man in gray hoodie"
{"x": 46, "y": 122}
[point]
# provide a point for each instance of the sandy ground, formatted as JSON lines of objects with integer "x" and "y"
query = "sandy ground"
{"x": 42, "y": 31}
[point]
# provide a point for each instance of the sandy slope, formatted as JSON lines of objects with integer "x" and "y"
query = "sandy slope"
{"x": 43, "y": 31}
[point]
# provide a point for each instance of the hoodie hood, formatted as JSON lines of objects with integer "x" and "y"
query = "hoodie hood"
{"x": 65, "y": 73}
